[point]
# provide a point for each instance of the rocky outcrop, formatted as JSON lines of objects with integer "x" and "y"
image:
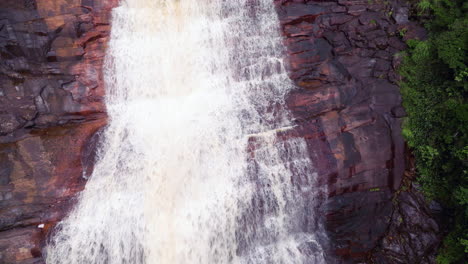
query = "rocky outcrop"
{"x": 342, "y": 56}
{"x": 414, "y": 233}
{"x": 51, "y": 103}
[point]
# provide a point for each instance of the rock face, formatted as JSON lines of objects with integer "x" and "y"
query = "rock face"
{"x": 342, "y": 56}
{"x": 51, "y": 103}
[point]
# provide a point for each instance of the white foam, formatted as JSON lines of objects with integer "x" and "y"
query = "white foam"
{"x": 187, "y": 83}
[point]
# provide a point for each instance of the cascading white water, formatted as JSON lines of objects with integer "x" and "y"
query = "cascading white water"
{"x": 190, "y": 169}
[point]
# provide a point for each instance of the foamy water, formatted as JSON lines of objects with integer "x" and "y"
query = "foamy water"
{"x": 190, "y": 169}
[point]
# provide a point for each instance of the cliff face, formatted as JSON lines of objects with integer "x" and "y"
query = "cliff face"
{"x": 342, "y": 56}
{"x": 51, "y": 103}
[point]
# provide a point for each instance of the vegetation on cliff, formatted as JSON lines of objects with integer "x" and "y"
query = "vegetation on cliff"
{"x": 435, "y": 97}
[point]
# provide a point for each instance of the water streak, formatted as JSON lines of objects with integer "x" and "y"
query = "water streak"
{"x": 190, "y": 168}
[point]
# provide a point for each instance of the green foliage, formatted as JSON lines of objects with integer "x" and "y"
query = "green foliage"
{"x": 452, "y": 250}
{"x": 424, "y": 5}
{"x": 402, "y": 32}
{"x": 435, "y": 96}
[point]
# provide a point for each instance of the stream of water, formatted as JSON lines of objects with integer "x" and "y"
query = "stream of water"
{"x": 190, "y": 169}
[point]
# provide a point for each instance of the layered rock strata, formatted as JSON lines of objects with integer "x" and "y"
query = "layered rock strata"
{"x": 51, "y": 103}
{"x": 343, "y": 57}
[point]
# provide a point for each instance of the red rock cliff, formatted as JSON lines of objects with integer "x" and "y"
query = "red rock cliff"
{"x": 51, "y": 103}
{"x": 342, "y": 56}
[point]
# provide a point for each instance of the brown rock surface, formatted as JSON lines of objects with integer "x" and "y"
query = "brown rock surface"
{"x": 51, "y": 104}
{"x": 347, "y": 105}
{"x": 50, "y": 72}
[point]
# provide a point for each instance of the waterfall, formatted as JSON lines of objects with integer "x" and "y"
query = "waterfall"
{"x": 190, "y": 168}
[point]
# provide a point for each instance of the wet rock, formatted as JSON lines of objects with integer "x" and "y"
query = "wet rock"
{"x": 344, "y": 220}
{"x": 20, "y": 246}
{"x": 401, "y": 15}
{"x": 45, "y": 46}
{"x": 8, "y": 123}
{"x": 398, "y": 112}
{"x": 348, "y": 108}
{"x": 51, "y": 103}
{"x": 356, "y": 10}
{"x": 39, "y": 177}
{"x": 413, "y": 235}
